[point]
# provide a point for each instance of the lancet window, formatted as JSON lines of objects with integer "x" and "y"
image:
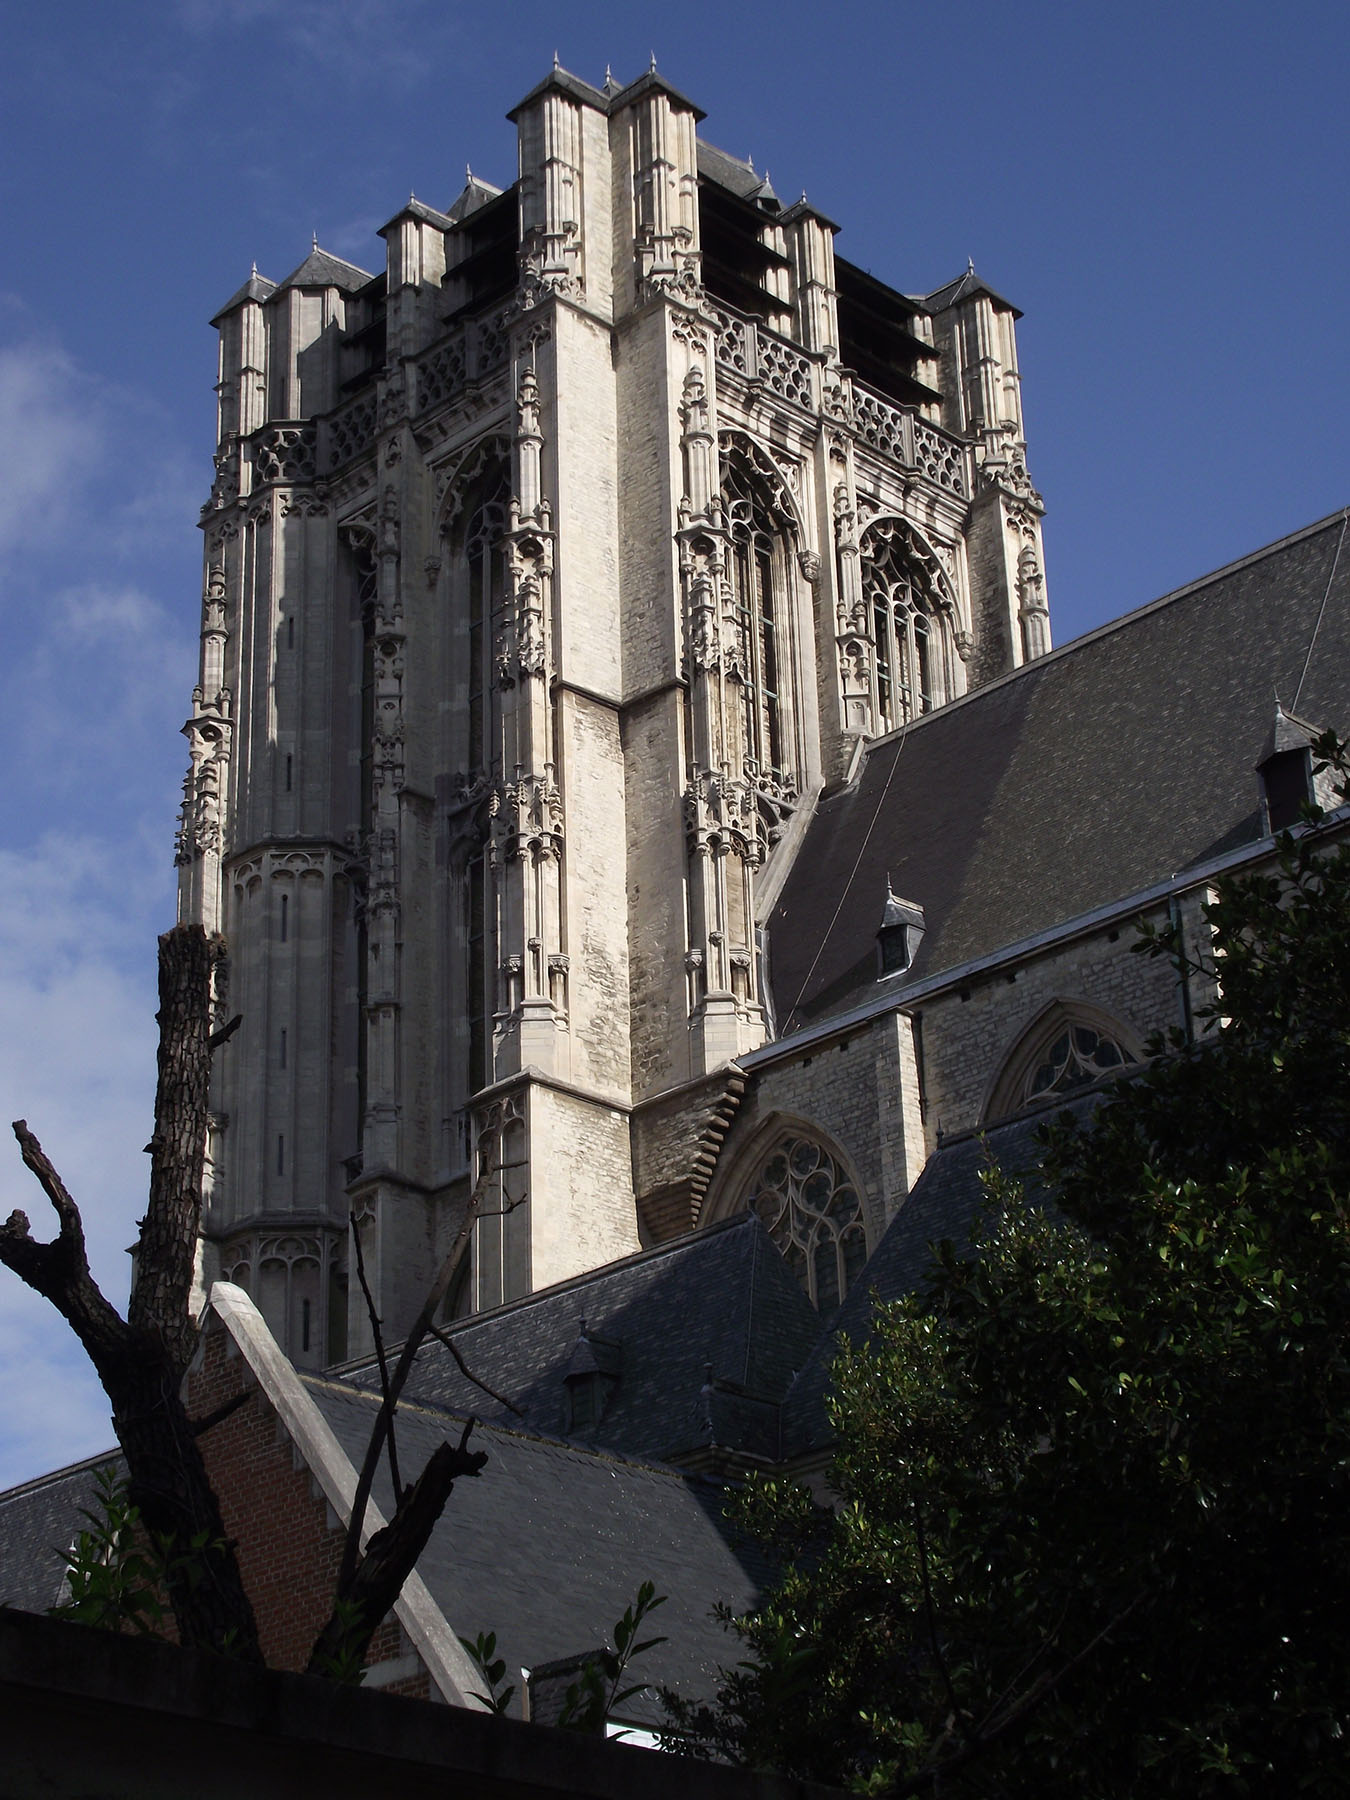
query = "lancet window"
{"x": 758, "y": 572}
{"x": 478, "y": 603}
{"x": 812, "y": 1211}
{"x": 910, "y": 627}
{"x": 483, "y": 572}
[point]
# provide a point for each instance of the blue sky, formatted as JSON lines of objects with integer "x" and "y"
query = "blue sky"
{"x": 1160, "y": 188}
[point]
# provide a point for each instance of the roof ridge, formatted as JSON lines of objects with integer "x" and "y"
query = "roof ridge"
{"x": 36, "y": 1482}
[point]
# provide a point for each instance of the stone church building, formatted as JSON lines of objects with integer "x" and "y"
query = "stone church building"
{"x": 557, "y": 574}
{"x": 633, "y": 777}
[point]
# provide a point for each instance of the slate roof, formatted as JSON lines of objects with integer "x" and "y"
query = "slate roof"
{"x": 720, "y": 1301}
{"x": 728, "y": 171}
{"x": 1088, "y": 775}
{"x": 38, "y": 1522}
{"x": 552, "y": 1541}
{"x": 257, "y": 287}
{"x": 962, "y": 288}
{"x": 320, "y": 269}
{"x": 418, "y": 209}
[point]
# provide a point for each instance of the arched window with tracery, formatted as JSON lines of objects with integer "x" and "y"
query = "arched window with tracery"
{"x": 759, "y": 575}
{"x": 1068, "y": 1049}
{"x": 911, "y": 627}
{"x": 481, "y": 572}
{"x": 476, "y": 554}
{"x": 813, "y": 1213}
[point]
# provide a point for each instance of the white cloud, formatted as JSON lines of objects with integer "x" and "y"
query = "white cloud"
{"x": 51, "y": 434}
{"x": 356, "y": 39}
{"x": 77, "y": 1060}
{"x": 57, "y": 1413}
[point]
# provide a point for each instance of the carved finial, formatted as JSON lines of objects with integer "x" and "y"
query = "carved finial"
{"x": 556, "y": 63}
{"x": 651, "y": 66}
{"x": 970, "y": 265}
{"x": 412, "y": 198}
{"x": 468, "y": 174}
{"x": 750, "y": 160}
{"x": 313, "y": 240}
{"x": 609, "y": 74}
{"x": 803, "y": 200}
{"x": 254, "y": 275}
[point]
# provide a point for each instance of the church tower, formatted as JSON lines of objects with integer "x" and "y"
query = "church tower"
{"x": 552, "y": 573}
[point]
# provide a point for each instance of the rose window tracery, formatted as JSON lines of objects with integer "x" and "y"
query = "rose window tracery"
{"x": 812, "y": 1211}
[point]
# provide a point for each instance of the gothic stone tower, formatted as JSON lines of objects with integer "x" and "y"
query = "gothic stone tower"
{"x": 551, "y": 574}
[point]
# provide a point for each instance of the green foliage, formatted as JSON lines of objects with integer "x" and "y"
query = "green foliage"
{"x": 483, "y": 1652}
{"x": 1091, "y": 1521}
{"x": 599, "y": 1691}
{"x": 346, "y": 1662}
{"x": 118, "y": 1573}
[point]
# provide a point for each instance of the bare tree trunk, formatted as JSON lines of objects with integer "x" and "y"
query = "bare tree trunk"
{"x": 141, "y": 1360}
{"x": 167, "y": 1252}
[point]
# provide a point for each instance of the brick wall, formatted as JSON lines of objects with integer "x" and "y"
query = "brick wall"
{"x": 286, "y": 1537}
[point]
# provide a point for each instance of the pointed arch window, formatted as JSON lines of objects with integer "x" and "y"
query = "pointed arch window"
{"x": 811, "y": 1210}
{"x": 475, "y": 533}
{"x": 483, "y": 568}
{"x": 758, "y": 571}
{"x": 1071, "y": 1047}
{"x": 910, "y": 628}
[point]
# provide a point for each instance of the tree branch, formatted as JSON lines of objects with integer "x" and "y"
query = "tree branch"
{"x": 391, "y": 1555}
{"x": 389, "y": 1402}
{"x": 209, "y": 1421}
{"x": 415, "y": 1340}
{"x": 444, "y": 1337}
{"x": 225, "y": 1033}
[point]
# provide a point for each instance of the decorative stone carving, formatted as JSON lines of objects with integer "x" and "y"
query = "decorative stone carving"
{"x": 1004, "y": 465}
{"x": 526, "y": 817}
{"x": 349, "y": 431}
{"x": 285, "y": 453}
{"x": 686, "y": 328}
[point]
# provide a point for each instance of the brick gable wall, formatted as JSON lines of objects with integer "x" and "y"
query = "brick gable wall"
{"x": 287, "y": 1540}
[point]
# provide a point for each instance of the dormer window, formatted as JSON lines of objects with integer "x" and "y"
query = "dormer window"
{"x": 591, "y": 1376}
{"x": 899, "y": 936}
{"x": 1286, "y": 771}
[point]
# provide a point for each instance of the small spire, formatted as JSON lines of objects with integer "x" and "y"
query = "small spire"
{"x": 750, "y": 159}
{"x": 556, "y": 63}
{"x": 970, "y": 265}
{"x": 803, "y": 198}
{"x": 253, "y": 276}
{"x": 609, "y": 74}
{"x": 651, "y": 66}
{"x": 468, "y": 174}
{"x": 313, "y": 240}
